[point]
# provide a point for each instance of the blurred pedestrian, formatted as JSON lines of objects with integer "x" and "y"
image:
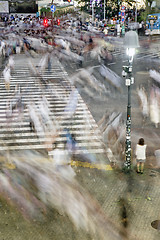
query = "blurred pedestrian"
{"x": 143, "y": 103}
{"x": 140, "y": 155}
{"x": 7, "y": 76}
{"x": 49, "y": 62}
{"x": 154, "y": 108}
{"x": 31, "y": 125}
{"x": 11, "y": 62}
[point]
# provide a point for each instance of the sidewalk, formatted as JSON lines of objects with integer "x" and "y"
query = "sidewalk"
{"x": 130, "y": 200}
{"x": 140, "y": 193}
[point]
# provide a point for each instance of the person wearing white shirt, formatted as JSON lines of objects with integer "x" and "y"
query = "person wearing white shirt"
{"x": 140, "y": 153}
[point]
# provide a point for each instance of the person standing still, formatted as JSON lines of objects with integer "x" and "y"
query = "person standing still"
{"x": 140, "y": 153}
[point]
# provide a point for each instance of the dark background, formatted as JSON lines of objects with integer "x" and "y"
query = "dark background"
{"x": 23, "y": 7}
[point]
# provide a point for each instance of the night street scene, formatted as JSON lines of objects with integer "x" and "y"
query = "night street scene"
{"x": 80, "y": 120}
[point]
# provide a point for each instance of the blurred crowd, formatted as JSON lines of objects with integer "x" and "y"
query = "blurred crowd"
{"x": 53, "y": 184}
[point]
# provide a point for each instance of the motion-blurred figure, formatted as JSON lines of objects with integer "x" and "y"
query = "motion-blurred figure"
{"x": 111, "y": 77}
{"x": 33, "y": 112}
{"x": 72, "y": 104}
{"x": 11, "y": 62}
{"x": 154, "y": 108}
{"x": 143, "y": 103}
{"x": 7, "y": 77}
{"x": 155, "y": 75}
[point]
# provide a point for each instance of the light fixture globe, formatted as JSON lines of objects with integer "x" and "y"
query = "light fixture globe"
{"x": 131, "y": 40}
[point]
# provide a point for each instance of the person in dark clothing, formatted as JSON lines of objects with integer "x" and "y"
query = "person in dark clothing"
{"x": 31, "y": 125}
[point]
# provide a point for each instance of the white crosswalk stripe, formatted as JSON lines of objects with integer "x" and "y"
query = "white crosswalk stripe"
{"x": 15, "y": 133}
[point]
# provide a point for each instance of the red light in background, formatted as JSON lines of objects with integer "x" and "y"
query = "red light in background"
{"x": 58, "y": 22}
{"x": 45, "y": 22}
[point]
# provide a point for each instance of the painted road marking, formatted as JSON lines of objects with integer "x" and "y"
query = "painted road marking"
{"x": 105, "y": 167}
{"x": 84, "y": 126}
{"x": 73, "y": 163}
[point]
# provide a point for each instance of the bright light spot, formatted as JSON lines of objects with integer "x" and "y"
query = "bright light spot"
{"x": 131, "y": 52}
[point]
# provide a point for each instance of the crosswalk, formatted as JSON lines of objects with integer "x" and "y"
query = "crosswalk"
{"x": 15, "y": 133}
{"x": 142, "y": 54}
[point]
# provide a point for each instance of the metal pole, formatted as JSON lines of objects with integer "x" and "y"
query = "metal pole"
{"x": 136, "y": 12}
{"x": 104, "y": 9}
{"x": 128, "y": 131}
{"x": 128, "y": 122}
{"x": 52, "y": 16}
{"x": 118, "y": 10}
{"x": 92, "y": 11}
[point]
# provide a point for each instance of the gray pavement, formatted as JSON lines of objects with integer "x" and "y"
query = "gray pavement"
{"x": 141, "y": 201}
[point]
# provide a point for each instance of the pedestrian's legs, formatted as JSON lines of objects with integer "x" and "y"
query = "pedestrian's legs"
{"x": 156, "y": 125}
{"x": 138, "y": 164}
{"x": 142, "y": 167}
{"x": 7, "y": 86}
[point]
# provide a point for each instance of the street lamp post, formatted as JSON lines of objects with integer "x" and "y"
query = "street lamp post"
{"x": 136, "y": 12}
{"x": 131, "y": 42}
{"x": 104, "y": 9}
{"x": 93, "y": 4}
{"x": 52, "y": 16}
